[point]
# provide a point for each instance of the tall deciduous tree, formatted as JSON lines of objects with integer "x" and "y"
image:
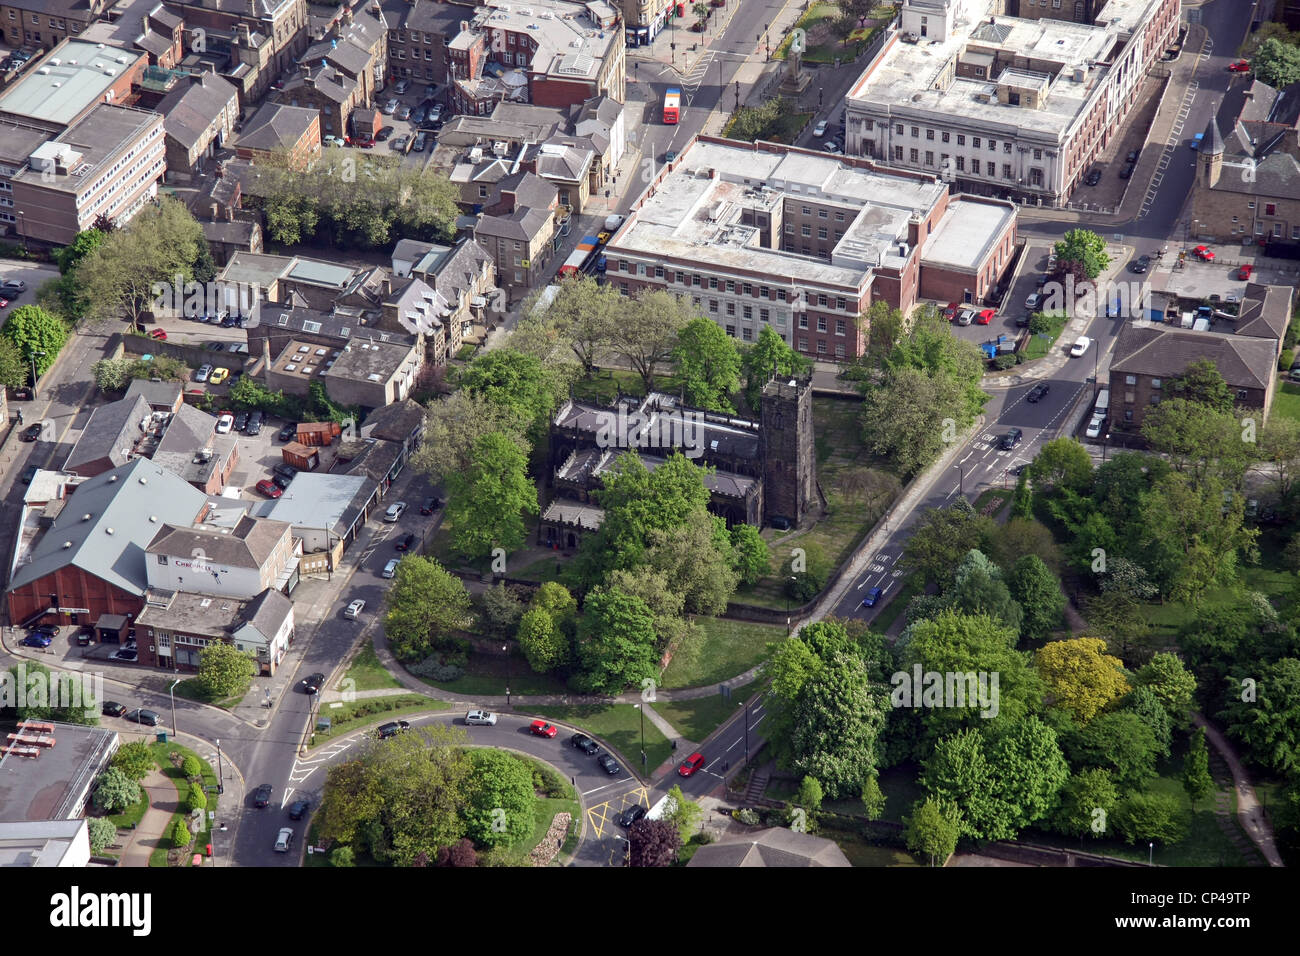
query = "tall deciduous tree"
{"x": 14, "y": 369}
{"x": 933, "y": 829}
{"x": 1086, "y": 248}
{"x": 519, "y": 384}
{"x": 1120, "y": 742}
{"x": 696, "y": 557}
{"x": 581, "y": 320}
{"x": 1269, "y": 725}
{"x": 1087, "y": 800}
{"x": 1197, "y": 781}
{"x": 646, "y": 336}
{"x": 1038, "y": 592}
{"x": 652, "y": 843}
{"x": 425, "y": 603}
{"x": 616, "y": 642}
{"x": 1172, "y": 683}
{"x": 942, "y": 538}
{"x": 707, "y": 362}
{"x": 224, "y": 670}
{"x": 487, "y": 503}
{"x": 1202, "y": 383}
{"x": 452, "y": 426}
{"x": 499, "y": 811}
{"x": 750, "y": 555}
{"x": 1151, "y": 817}
{"x": 768, "y": 357}
{"x": 836, "y": 721}
{"x": 1277, "y": 63}
{"x": 1081, "y": 678}
{"x": 38, "y": 335}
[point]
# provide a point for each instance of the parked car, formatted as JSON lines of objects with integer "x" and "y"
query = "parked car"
{"x": 1033, "y": 301}
{"x": 288, "y": 433}
{"x": 298, "y": 809}
{"x": 353, "y": 610}
{"x": 1094, "y": 178}
{"x": 1127, "y": 171}
{"x": 1239, "y": 66}
{"x": 965, "y": 317}
{"x": 28, "y": 474}
{"x": 402, "y": 86}
{"x": 37, "y": 640}
{"x": 608, "y": 764}
{"x": 254, "y": 426}
{"x": 128, "y": 654}
{"x": 1204, "y": 253}
{"x": 33, "y": 432}
{"x": 241, "y": 421}
{"x": 481, "y": 718}
{"x": 1011, "y": 439}
{"x": 312, "y": 682}
{"x": 950, "y": 310}
{"x": 691, "y": 764}
{"x": 284, "y": 470}
{"x": 383, "y": 134}
{"x": 399, "y": 144}
{"x": 390, "y": 569}
{"x": 404, "y": 543}
{"x": 153, "y": 719}
{"x": 1245, "y": 272}
{"x": 820, "y": 129}
{"x": 390, "y": 107}
{"x": 12, "y": 288}
{"x": 1080, "y": 346}
{"x": 830, "y": 146}
{"x": 1037, "y": 392}
{"x": 281, "y": 481}
{"x": 394, "y": 511}
{"x": 420, "y": 140}
{"x": 202, "y": 374}
{"x": 873, "y": 597}
{"x": 218, "y": 376}
{"x": 159, "y": 335}
{"x": 332, "y": 141}
{"x": 1132, "y": 156}
{"x": 631, "y": 815}
{"x": 1094, "y": 427}
{"x": 403, "y": 113}
{"x": 1023, "y": 320}
{"x": 985, "y": 316}
{"x": 540, "y": 728}
{"x": 111, "y": 708}
{"x": 269, "y": 488}
{"x": 392, "y": 728}
{"x": 284, "y": 840}
{"x": 585, "y": 744}
{"x": 418, "y": 115}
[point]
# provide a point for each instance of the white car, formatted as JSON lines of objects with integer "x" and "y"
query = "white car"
{"x": 353, "y": 610}
{"x": 1094, "y": 426}
{"x": 202, "y": 374}
{"x": 284, "y": 840}
{"x": 1080, "y": 346}
{"x": 481, "y": 718}
{"x": 1033, "y": 300}
{"x": 830, "y": 146}
{"x": 390, "y": 569}
{"x": 390, "y": 107}
{"x": 394, "y": 511}
{"x": 820, "y": 129}
{"x": 225, "y": 423}
{"x": 333, "y": 141}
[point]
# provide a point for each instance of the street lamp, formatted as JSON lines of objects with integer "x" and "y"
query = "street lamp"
{"x": 172, "y": 695}
{"x": 1104, "y": 438}
{"x": 961, "y": 480}
{"x": 221, "y": 771}
{"x": 1151, "y": 852}
{"x": 34, "y": 354}
{"x": 745, "y": 721}
{"x": 643, "y": 756}
{"x": 793, "y": 578}
{"x": 505, "y": 649}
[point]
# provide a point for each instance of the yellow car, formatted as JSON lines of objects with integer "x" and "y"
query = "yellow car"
{"x": 218, "y": 376}
{"x": 602, "y": 238}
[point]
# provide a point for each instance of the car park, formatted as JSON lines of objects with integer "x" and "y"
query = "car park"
{"x": 312, "y": 682}
{"x": 269, "y": 488}
{"x": 394, "y": 511}
{"x": 1080, "y": 346}
{"x": 390, "y": 569}
{"x": 37, "y": 640}
{"x": 820, "y": 129}
{"x": 392, "y": 728}
{"x": 152, "y": 719}
{"x": 353, "y": 610}
{"x": 298, "y": 809}
{"x": 631, "y": 815}
{"x": 540, "y": 728}
{"x": 481, "y": 718}
{"x": 873, "y": 597}
{"x": 585, "y": 744}
{"x": 111, "y": 708}
{"x": 691, "y": 764}
{"x": 429, "y": 505}
{"x": 404, "y": 543}
{"x": 609, "y": 764}
{"x": 1037, "y": 392}
{"x": 1011, "y": 439}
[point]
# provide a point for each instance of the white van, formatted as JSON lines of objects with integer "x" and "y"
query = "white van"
{"x": 1103, "y": 402}
{"x": 390, "y": 568}
{"x": 1187, "y": 320}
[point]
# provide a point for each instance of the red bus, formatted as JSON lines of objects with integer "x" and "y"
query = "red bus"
{"x": 672, "y": 105}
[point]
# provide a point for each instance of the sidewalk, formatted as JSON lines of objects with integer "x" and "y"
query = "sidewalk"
{"x": 150, "y": 831}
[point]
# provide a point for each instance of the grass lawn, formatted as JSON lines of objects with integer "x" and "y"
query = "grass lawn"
{"x": 993, "y": 501}
{"x": 543, "y": 569}
{"x": 466, "y": 352}
{"x": 490, "y": 674}
{"x": 863, "y": 853}
{"x": 368, "y": 673}
{"x": 1286, "y": 401}
{"x": 1043, "y": 343}
{"x": 606, "y": 384}
{"x": 190, "y": 690}
{"x": 823, "y": 43}
{"x": 729, "y": 648}
{"x": 909, "y": 586}
{"x": 619, "y": 726}
{"x": 131, "y": 815}
{"x": 162, "y": 756}
{"x": 347, "y": 717}
{"x": 696, "y": 719}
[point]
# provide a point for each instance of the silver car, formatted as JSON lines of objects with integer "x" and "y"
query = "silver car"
{"x": 284, "y": 840}
{"x": 394, "y": 511}
{"x": 481, "y": 718}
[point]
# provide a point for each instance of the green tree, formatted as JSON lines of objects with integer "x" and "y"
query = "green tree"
{"x": 1197, "y": 781}
{"x": 958, "y": 772}
{"x": 1038, "y": 592}
{"x": 933, "y": 828}
{"x": 1117, "y": 611}
{"x": 616, "y": 642}
{"x": 806, "y": 574}
{"x": 1023, "y": 537}
{"x": 1269, "y": 726}
{"x": 1028, "y": 770}
{"x": 696, "y": 557}
{"x": 249, "y": 394}
{"x": 942, "y": 538}
{"x": 582, "y": 319}
{"x": 224, "y": 671}
{"x": 102, "y": 833}
{"x": 837, "y": 718}
{"x": 873, "y": 798}
{"x": 454, "y": 425}
{"x": 1202, "y": 383}
{"x": 13, "y": 367}
{"x": 707, "y": 362}
{"x": 1120, "y": 742}
{"x": 752, "y": 560}
{"x": 343, "y": 856}
{"x": 134, "y": 759}
{"x": 181, "y": 836}
{"x": 1277, "y": 63}
{"x": 1080, "y": 677}
{"x": 518, "y": 383}
{"x": 543, "y": 644}
{"x": 905, "y": 415}
{"x": 809, "y": 795}
{"x": 1061, "y": 463}
{"x": 115, "y": 791}
{"x": 425, "y": 603}
{"x": 1151, "y": 817}
{"x": 1086, "y": 248}
{"x": 769, "y": 357}
{"x": 196, "y": 799}
{"x": 501, "y": 610}
{"x": 83, "y": 244}
{"x": 788, "y": 667}
{"x": 205, "y": 267}
{"x": 499, "y": 811}
{"x": 1279, "y": 445}
{"x": 683, "y": 813}
{"x": 486, "y": 504}
{"x": 38, "y": 335}
{"x": 1082, "y": 796}
{"x": 1172, "y": 683}
{"x": 1142, "y": 702}
{"x": 647, "y": 332}
{"x": 978, "y": 588}
{"x": 1198, "y": 439}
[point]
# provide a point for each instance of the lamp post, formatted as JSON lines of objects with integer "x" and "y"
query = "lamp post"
{"x": 1151, "y": 852}
{"x": 505, "y": 649}
{"x": 221, "y": 771}
{"x": 171, "y": 693}
{"x": 34, "y": 354}
{"x": 22, "y": 229}
{"x": 1104, "y": 438}
{"x": 745, "y": 723}
{"x": 793, "y": 578}
{"x": 641, "y": 708}
{"x": 961, "y": 480}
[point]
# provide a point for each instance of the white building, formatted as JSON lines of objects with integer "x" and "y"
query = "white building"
{"x": 239, "y": 561}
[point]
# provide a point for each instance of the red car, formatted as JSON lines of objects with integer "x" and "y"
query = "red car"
{"x": 541, "y": 728}
{"x": 691, "y": 764}
{"x": 269, "y": 488}
{"x": 951, "y": 311}
{"x": 985, "y": 317}
{"x": 159, "y": 334}
{"x": 1244, "y": 272}
{"x": 1204, "y": 253}
{"x": 1241, "y": 66}
{"x": 4, "y": 303}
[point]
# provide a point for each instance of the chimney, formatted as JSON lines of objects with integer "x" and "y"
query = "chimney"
{"x": 388, "y": 286}
{"x": 230, "y": 214}
{"x": 305, "y": 69}
{"x": 252, "y": 7}
{"x": 215, "y": 209}
{"x": 144, "y": 23}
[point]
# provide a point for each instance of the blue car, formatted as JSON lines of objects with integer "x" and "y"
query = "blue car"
{"x": 38, "y": 640}
{"x": 873, "y": 597}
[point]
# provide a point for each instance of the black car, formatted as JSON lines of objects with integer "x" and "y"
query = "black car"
{"x": 289, "y": 432}
{"x": 383, "y": 134}
{"x": 262, "y": 796}
{"x": 281, "y": 481}
{"x": 254, "y": 424}
{"x": 429, "y": 506}
{"x": 1137, "y": 267}
{"x": 32, "y": 432}
{"x": 1127, "y": 171}
{"x": 1011, "y": 439}
{"x": 112, "y": 708}
{"x": 1037, "y": 392}
{"x": 125, "y": 654}
{"x": 1094, "y": 178}
{"x": 49, "y": 630}
{"x": 149, "y": 717}
{"x": 285, "y": 470}
{"x": 1132, "y": 155}
{"x": 404, "y": 543}
{"x": 1022, "y": 320}
{"x": 608, "y": 764}
{"x": 241, "y": 421}
{"x": 28, "y": 474}
{"x": 298, "y": 809}
{"x": 392, "y": 729}
{"x": 631, "y": 815}
{"x": 584, "y": 743}
{"x": 312, "y": 683}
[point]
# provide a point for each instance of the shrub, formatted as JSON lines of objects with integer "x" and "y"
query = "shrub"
{"x": 191, "y": 766}
{"x": 747, "y": 817}
{"x": 116, "y": 791}
{"x": 343, "y": 856}
{"x": 1004, "y": 361}
{"x": 134, "y": 759}
{"x": 181, "y": 836}
{"x": 102, "y": 833}
{"x": 1286, "y": 360}
{"x": 197, "y": 799}
{"x": 434, "y": 669}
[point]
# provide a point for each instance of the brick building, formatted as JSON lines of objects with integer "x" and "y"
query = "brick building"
{"x": 276, "y": 131}
{"x": 46, "y": 23}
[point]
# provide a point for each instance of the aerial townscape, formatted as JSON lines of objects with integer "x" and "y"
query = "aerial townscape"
{"x": 637, "y": 433}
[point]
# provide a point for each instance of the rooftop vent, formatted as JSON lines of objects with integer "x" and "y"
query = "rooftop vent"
{"x": 108, "y": 530}
{"x": 144, "y": 480}
{"x": 153, "y": 518}
{"x": 85, "y": 517}
{"x": 112, "y": 478}
{"x": 67, "y": 544}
